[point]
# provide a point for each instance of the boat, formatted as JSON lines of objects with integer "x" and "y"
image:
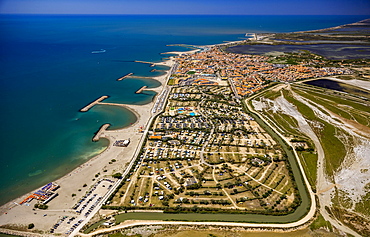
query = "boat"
{"x": 99, "y": 51}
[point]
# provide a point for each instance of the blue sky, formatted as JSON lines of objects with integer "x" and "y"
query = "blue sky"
{"x": 227, "y": 7}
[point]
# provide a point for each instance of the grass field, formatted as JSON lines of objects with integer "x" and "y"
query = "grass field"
{"x": 309, "y": 162}
{"x": 302, "y": 108}
{"x": 285, "y": 123}
{"x": 343, "y": 105}
{"x": 319, "y": 223}
{"x": 333, "y": 148}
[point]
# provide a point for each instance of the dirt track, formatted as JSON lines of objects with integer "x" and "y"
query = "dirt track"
{"x": 322, "y": 182}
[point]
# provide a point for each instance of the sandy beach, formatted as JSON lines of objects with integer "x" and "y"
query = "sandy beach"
{"x": 74, "y": 185}
{"x": 178, "y": 53}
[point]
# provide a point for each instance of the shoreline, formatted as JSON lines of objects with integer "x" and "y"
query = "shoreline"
{"x": 86, "y": 172}
{"x": 331, "y": 28}
{"x": 77, "y": 182}
{"x": 82, "y": 178}
{"x": 94, "y": 102}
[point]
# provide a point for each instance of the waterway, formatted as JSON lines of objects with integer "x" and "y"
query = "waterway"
{"x": 302, "y": 209}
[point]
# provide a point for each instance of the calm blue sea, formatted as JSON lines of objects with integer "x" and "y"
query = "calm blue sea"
{"x": 48, "y": 73}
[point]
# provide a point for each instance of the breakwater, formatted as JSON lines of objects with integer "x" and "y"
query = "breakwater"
{"x": 141, "y": 90}
{"x": 101, "y": 130}
{"x": 125, "y": 76}
{"x": 89, "y": 106}
{"x": 141, "y": 77}
{"x": 151, "y": 64}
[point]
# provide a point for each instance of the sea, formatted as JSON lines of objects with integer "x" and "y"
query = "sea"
{"x": 53, "y": 65}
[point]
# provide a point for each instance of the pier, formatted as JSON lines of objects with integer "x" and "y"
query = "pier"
{"x": 89, "y": 106}
{"x": 141, "y": 77}
{"x": 141, "y": 90}
{"x": 101, "y": 130}
{"x": 125, "y": 76}
{"x": 151, "y": 63}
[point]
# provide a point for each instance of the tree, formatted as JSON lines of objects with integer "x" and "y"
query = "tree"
{"x": 41, "y": 206}
{"x": 30, "y": 226}
{"x": 218, "y": 185}
{"x": 117, "y": 175}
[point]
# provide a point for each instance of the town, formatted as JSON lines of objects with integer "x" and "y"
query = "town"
{"x": 205, "y": 150}
{"x": 246, "y": 74}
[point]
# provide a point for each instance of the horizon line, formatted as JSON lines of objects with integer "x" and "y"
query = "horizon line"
{"x": 169, "y": 14}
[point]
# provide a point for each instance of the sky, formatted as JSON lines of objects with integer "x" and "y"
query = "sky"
{"x": 215, "y": 7}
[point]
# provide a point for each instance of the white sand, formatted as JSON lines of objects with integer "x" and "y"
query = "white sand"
{"x": 181, "y": 53}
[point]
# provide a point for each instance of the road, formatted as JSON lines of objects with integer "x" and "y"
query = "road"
{"x": 160, "y": 99}
{"x": 130, "y": 223}
{"x": 305, "y": 219}
{"x": 312, "y": 210}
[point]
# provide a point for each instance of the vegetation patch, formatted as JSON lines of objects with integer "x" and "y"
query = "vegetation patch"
{"x": 309, "y": 161}
{"x": 320, "y": 222}
{"x": 352, "y": 220}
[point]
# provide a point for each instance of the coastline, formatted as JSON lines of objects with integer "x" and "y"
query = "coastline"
{"x": 86, "y": 173}
{"x": 332, "y": 28}
{"x": 83, "y": 177}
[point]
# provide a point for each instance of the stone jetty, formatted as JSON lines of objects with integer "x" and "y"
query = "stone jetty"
{"x": 141, "y": 90}
{"x": 89, "y": 106}
{"x": 125, "y": 76}
{"x": 101, "y": 130}
{"x": 151, "y": 63}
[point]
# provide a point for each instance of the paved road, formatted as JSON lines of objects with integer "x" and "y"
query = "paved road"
{"x": 136, "y": 153}
{"x": 300, "y": 222}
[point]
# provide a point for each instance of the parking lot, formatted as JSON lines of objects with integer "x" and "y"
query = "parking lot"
{"x": 83, "y": 208}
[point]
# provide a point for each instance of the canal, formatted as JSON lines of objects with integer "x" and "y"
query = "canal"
{"x": 302, "y": 209}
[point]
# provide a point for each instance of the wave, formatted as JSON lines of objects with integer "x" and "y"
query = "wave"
{"x": 99, "y": 51}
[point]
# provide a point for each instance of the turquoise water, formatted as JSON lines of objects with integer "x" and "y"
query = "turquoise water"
{"x": 48, "y": 72}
